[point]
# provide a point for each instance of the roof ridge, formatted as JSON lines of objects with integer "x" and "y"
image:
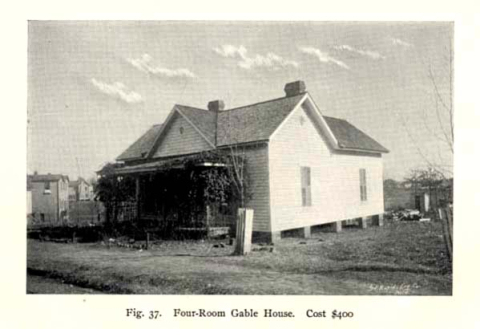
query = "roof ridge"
{"x": 192, "y": 107}
{"x": 263, "y": 102}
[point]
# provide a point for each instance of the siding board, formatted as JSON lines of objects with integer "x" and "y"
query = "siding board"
{"x": 257, "y": 167}
{"x": 181, "y": 138}
{"x": 335, "y": 180}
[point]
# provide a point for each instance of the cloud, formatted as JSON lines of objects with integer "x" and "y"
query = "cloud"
{"x": 367, "y": 53}
{"x": 398, "y": 42}
{"x": 118, "y": 90}
{"x": 144, "y": 64}
{"x": 323, "y": 57}
{"x": 270, "y": 60}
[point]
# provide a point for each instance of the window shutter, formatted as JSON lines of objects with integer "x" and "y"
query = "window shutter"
{"x": 363, "y": 184}
{"x": 306, "y": 186}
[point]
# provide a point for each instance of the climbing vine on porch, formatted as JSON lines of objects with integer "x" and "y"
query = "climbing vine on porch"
{"x": 179, "y": 189}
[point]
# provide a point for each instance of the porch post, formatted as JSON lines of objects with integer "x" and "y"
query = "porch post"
{"x": 137, "y": 195}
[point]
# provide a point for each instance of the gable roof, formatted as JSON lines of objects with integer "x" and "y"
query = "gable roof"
{"x": 254, "y": 122}
{"x": 77, "y": 182}
{"x": 350, "y": 137}
{"x": 251, "y": 123}
{"x": 204, "y": 120}
{"x": 140, "y": 148}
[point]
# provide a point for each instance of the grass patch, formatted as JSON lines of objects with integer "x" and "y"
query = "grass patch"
{"x": 355, "y": 262}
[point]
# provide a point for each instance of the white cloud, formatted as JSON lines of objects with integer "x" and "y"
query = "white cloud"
{"x": 144, "y": 64}
{"x": 270, "y": 60}
{"x": 118, "y": 90}
{"x": 367, "y": 53}
{"x": 398, "y": 42}
{"x": 323, "y": 57}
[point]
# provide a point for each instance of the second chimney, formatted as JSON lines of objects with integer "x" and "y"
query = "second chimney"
{"x": 295, "y": 88}
{"x": 216, "y": 106}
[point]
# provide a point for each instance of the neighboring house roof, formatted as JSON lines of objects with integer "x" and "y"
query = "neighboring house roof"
{"x": 140, "y": 148}
{"x": 77, "y": 182}
{"x": 350, "y": 137}
{"x": 251, "y": 123}
{"x": 73, "y": 183}
{"x": 47, "y": 178}
{"x": 29, "y": 183}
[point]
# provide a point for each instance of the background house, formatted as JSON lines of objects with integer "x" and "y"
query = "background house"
{"x": 79, "y": 190}
{"x": 29, "y": 201}
{"x": 306, "y": 169}
{"x": 421, "y": 195}
{"x": 49, "y": 197}
{"x": 426, "y": 197}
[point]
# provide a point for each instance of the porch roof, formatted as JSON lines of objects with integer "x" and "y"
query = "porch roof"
{"x": 199, "y": 160}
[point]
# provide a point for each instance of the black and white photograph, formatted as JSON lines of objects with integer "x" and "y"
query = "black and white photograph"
{"x": 262, "y": 157}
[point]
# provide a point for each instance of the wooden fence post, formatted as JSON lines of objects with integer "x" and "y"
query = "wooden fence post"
{"x": 449, "y": 216}
{"x": 244, "y": 231}
{"x": 447, "y": 224}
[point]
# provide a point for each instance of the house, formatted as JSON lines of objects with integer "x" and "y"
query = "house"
{"x": 49, "y": 195}
{"x": 29, "y": 200}
{"x": 425, "y": 198}
{"x": 307, "y": 169}
{"x": 79, "y": 190}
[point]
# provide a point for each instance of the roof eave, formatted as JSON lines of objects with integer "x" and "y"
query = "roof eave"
{"x": 361, "y": 150}
{"x": 120, "y": 159}
{"x": 260, "y": 141}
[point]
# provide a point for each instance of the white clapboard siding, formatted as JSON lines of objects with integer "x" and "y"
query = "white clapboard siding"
{"x": 335, "y": 178}
{"x": 176, "y": 141}
{"x": 257, "y": 167}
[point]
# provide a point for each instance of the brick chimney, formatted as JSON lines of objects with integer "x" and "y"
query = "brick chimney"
{"x": 295, "y": 88}
{"x": 216, "y": 106}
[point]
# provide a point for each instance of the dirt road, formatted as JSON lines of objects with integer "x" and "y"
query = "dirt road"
{"x": 43, "y": 285}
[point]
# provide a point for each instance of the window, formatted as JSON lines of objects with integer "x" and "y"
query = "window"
{"x": 47, "y": 188}
{"x": 306, "y": 187}
{"x": 363, "y": 185}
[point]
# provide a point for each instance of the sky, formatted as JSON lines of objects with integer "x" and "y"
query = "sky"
{"x": 95, "y": 86}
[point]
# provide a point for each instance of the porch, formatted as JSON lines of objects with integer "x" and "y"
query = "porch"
{"x": 183, "y": 197}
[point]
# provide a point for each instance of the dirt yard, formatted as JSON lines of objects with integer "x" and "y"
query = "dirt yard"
{"x": 405, "y": 258}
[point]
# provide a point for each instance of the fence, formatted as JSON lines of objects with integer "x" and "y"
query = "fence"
{"x": 86, "y": 212}
{"x": 446, "y": 217}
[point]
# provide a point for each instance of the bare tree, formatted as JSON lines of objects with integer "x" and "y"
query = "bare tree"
{"x": 237, "y": 154}
{"x": 443, "y": 118}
